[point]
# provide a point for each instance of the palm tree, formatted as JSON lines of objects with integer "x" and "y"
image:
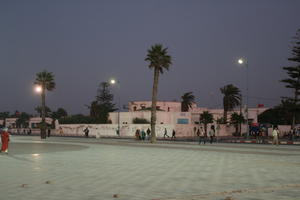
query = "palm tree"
{"x": 187, "y": 101}
{"x": 231, "y": 99}
{"x": 206, "y": 118}
{"x": 237, "y": 119}
{"x": 158, "y": 59}
{"x": 45, "y": 80}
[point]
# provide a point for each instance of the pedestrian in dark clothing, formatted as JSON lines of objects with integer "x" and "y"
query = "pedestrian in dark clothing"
{"x": 86, "y": 132}
{"x": 143, "y": 134}
{"x": 173, "y": 134}
{"x": 137, "y": 134}
{"x": 166, "y": 133}
{"x": 148, "y": 134}
{"x": 49, "y": 132}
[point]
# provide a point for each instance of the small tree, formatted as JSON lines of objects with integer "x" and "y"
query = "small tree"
{"x": 237, "y": 119}
{"x": 100, "y": 108}
{"x": 206, "y": 118}
{"x": 231, "y": 99}
{"x": 23, "y": 120}
{"x": 39, "y": 110}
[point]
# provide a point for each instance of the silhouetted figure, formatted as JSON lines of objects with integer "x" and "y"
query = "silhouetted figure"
{"x": 143, "y": 134}
{"x": 148, "y": 133}
{"x": 137, "y": 134}
{"x": 166, "y": 133}
{"x": 173, "y": 135}
{"x": 49, "y": 132}
{"x": 86, "y": 132}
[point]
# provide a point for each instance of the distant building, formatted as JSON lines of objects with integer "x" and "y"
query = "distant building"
{"x": 169, "y": 112}
{"x": 33, "y": 122}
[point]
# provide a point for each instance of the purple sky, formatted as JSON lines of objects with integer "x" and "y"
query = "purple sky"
{"x": 87, "y": 42}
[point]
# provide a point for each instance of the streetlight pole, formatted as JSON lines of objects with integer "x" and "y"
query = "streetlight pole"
{"x": 113, "y": 82}
{"x": 241, "y": 62}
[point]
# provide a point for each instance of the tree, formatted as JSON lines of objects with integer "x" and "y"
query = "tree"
{"x": 45, "y": 80}
{"x": 23, "y": 120}
{"x": 59, "y": 113}
{"x": 100, "y": 108}
{"x": 293, "y": 82}
{"x": 206, "y": 118}
{"x": 39, "y": 110}
{"x": 231, "y": 99}
{"x": 159, "y": 60}
{"x": 237, "y": 119}
{"x": 4, "y": 115}
{"x": 187, "y": 101}
{"x": 281, "y": 114}
{"x": 77, "y": 119}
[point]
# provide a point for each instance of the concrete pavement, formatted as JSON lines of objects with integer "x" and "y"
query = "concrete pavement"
{"x": 90, "y": 169}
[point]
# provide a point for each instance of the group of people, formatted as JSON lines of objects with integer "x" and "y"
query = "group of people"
{"x": 4, "y": 140}
{"x": 204, "y": 136}
{"x": 173, "y": 134}
{"x": 145, "y": 135}
{"x": 142, "y": 134}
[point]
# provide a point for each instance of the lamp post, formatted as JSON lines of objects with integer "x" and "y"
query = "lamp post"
{"x": 41, "y": 90}
{"x": 114, "y": 82}
{"x": 241, "y": 61}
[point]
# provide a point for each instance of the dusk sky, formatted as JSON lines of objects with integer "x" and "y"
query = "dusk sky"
{"x": 88, "y": 42}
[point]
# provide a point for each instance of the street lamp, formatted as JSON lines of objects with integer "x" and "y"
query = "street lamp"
{"x": 38, "y": 89}
{"x": 241, "y": 61}
{"x": 114, "y": 82}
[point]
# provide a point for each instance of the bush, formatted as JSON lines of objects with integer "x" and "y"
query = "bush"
{"x": 78, "y": 119}
{"x": 140, "y": 121}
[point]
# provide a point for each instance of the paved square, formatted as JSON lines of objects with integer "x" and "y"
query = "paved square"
{"x": 90, "y": 169}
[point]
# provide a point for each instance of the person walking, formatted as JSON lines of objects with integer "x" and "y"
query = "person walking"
{"x": 86, "y": 132}
{"x": 201, "y": 135}
{"x": 49, "y": 132}
{"x": 148, "y": 134}
{"x": 173, "y": 135}
{"x": 211, "y": 133}
{"x": 137, "y": 134}
{"x": 4, "y": 140}
{"x": 166, "y": 133}
{"x": 275, "y": 135}
{"x": 143, "y": 134}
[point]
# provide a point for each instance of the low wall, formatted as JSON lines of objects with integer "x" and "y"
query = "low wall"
{"x": 128, "y": 130}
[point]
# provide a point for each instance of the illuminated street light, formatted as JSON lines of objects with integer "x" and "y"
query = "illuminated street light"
{"x": 38, "y": 89}
{"x": 240, "y": 61}
{"x": 112, "y": 81}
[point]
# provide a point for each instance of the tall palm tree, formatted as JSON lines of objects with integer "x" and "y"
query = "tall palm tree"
{"x": 159, "y": 60}
{"x": 231, "y": 99}
{"x": 45, "y": 80}
{"x": 187, "y": 101}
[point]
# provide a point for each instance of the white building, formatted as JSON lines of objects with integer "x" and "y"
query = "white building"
{"x": 33, "y": 122}
{"x": 170, "y": 113}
